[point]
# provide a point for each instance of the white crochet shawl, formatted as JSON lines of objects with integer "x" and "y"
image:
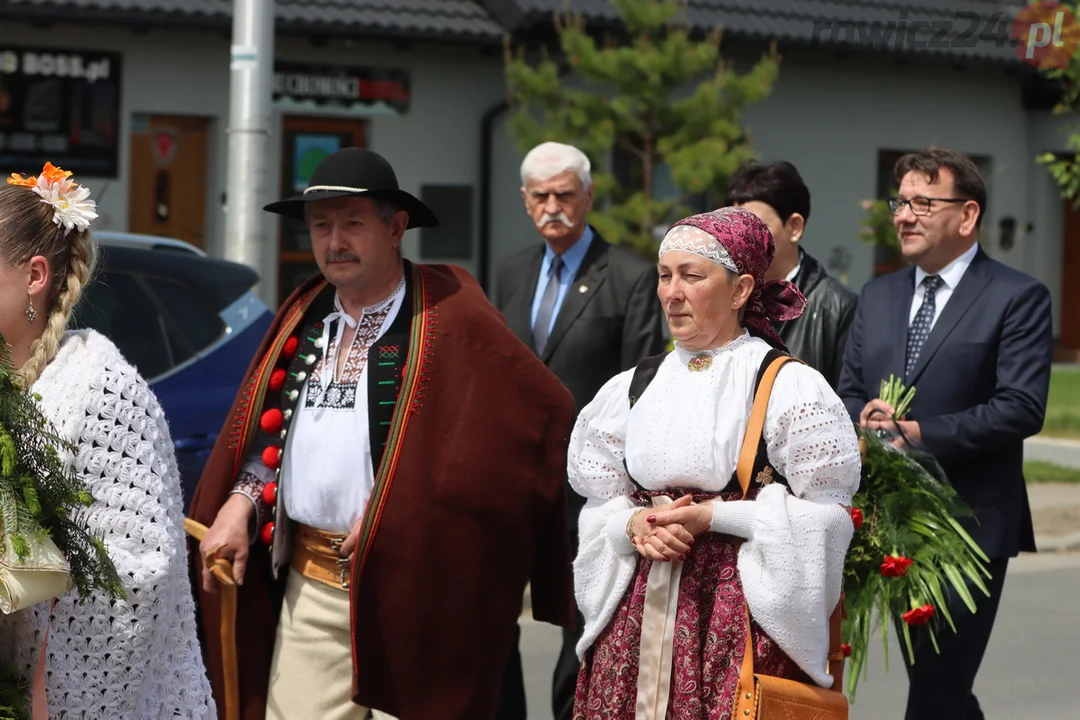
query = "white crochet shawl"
{"x": 139, "y": 658}
{"x": 686, "y": 431}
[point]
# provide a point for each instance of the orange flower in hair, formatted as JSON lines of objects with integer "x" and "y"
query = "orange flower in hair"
{"x": 71, "y": 203}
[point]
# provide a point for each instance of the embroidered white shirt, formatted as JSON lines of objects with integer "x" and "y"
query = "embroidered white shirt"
{"x": 326, "y": 466}
{"x": 327, "y": 473}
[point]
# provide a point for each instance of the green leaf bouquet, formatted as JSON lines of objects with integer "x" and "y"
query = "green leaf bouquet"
{"x": 908, "y": 548}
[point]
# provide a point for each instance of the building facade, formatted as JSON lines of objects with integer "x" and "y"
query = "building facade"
{"x": 136, "y": 101}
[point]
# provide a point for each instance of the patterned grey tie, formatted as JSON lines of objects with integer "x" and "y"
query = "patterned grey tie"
{"x": 924, "y": 319}
{"x": 547, "y": 306}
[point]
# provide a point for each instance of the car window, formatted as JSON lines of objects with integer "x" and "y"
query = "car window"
{"x": 198, "y": 323}
{"x": 117, "y": 306}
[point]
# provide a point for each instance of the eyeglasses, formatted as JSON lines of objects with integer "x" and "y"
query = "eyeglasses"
{"x": 919, "y": 205}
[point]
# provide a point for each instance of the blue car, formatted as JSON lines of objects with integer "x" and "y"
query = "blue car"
{"x": 190, "y": 323}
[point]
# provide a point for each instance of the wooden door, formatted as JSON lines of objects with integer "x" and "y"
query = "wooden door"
{"x": 167, "y": 182}
{"x": 306, "y": 141}
{"x": 1069, "y": 307}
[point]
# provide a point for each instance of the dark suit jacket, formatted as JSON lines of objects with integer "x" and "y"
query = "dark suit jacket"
{"x": 981, "y": 384}
{"x": 817, "y": 336}
{"x": 608, "y": 327}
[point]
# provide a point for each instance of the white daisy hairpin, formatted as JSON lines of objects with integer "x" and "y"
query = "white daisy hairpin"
{"x": 71, "y": 202}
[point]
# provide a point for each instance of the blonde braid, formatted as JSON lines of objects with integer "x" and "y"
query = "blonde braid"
{"x": 80, "y": 268}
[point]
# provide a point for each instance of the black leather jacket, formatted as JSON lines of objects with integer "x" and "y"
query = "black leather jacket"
{"x": 818, "y": 336}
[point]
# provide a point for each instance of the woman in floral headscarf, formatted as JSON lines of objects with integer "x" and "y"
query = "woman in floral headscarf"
{"x": 665, "y": 509}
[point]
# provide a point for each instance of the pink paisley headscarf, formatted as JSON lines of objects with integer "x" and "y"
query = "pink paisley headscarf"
{"x": 746, "y": 242}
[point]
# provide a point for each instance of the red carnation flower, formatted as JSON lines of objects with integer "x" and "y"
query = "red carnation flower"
{"x": 895, "y": 566}
{"x": 856, "y": 517}
{"x": 919, "y": 615}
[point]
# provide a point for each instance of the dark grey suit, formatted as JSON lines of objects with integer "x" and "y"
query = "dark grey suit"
{"x": 610, "y": 320}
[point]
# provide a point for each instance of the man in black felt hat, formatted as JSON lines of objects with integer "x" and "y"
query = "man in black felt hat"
{"x": 398, "y": 456}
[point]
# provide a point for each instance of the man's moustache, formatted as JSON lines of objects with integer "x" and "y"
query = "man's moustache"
{"x": 559, "y": 217}
{"x": 340, "y": 257}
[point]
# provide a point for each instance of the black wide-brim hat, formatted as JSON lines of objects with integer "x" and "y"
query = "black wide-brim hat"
{"x": 356, "y": 172}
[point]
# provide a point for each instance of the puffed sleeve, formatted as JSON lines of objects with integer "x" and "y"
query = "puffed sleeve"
{"x": 595, "y": 464}
{"x": 792, "y": 562}
{"x": 810, "y": 437}
{"x": 606, "y": 558}
{"x": 810, "y": 441}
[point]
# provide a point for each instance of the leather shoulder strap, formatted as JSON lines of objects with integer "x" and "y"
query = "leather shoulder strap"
{"x": 746, "y": 690}
{"x": 757, "y": 418}
{"x": 643, "y": 375}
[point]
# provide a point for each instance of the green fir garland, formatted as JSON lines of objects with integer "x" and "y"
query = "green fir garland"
{"x": 41, "y": 497}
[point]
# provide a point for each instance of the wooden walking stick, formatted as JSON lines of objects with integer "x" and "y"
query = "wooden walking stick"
{"x": 222, "y": 570}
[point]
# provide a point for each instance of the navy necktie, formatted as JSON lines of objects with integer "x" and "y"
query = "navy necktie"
{"x": 547, "y": 306}
{"x": 924, "y": 320}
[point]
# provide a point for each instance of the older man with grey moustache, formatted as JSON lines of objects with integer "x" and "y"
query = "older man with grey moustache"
{"x": 590, "y": 311}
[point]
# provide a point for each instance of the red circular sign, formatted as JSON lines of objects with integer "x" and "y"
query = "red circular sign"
{"x": 164, "y": 146}
{"x": 1047, "y": 34}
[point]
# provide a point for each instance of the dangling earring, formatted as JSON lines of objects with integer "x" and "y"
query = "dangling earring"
{"x": 31, "y": 313}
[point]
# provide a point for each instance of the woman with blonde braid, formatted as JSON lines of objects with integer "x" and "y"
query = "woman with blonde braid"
{"x": 135, "y": 658}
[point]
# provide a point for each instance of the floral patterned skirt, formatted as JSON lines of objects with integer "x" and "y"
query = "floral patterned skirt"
{"x": 708, "y": 647}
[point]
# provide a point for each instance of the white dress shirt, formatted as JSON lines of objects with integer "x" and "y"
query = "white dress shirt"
{"x": 950, "y": 276}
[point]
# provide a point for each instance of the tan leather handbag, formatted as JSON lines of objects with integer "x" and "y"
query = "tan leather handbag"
{"x": 766, "y": 697}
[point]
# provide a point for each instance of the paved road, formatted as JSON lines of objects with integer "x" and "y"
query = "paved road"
{"x": 1030, "y": 669}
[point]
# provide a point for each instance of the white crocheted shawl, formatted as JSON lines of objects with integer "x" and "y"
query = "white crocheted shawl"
{"x": 138, "y": 658}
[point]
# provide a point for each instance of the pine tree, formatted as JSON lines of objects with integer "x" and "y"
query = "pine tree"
{"x": 630, "y": 95}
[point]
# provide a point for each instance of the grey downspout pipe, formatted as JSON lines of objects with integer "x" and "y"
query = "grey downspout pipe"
{"x": 487, "y": 125}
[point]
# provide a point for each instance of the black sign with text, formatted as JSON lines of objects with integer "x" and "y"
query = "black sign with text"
{"x": 342, "y": 87}
{"x": 59, "y": 106}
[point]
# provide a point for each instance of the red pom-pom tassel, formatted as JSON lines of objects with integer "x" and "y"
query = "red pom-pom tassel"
{"x": 277, "y": 380}
{"x": 290, "y": 347}
{"x": 271, "y": 421}
{"x": 269, "y": 493}
{"x": 271, "y": 457}
{"x": 266, "y": 534}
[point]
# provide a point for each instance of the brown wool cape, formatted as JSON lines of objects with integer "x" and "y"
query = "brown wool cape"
{"x": 469, "y": 506}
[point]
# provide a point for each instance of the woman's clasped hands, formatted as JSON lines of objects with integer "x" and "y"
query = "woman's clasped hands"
{"x": 666, "y": 533}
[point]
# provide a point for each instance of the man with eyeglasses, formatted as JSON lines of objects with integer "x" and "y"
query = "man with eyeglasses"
{"x": 974, "y": 336}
